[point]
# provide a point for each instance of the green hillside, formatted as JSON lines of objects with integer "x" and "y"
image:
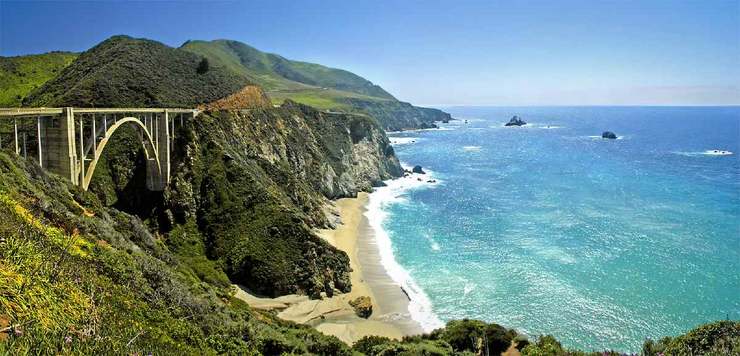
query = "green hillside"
{"x": 313, "y": 84}
{"x": 277, "y": 74}
{"x": 124, "y": 71}
{"x": 20, "y": 75}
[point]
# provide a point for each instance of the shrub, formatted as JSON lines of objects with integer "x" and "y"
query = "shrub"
{"x": 203, "y": 66}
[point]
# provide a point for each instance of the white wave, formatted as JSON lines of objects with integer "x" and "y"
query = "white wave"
{"x": 432, "y": 243}
{"x": 439, "y": 128}
{"x": 717, "y": 153}
{"x": 537, "y": 125}
{"x": 420, "y": 307}
{"x": 601, "y": 138}
{"x": 705, "y": 153}
{"x": 397, "y": 141}
{"x": 469, "y": 287}
{"x": 471, "y": 148}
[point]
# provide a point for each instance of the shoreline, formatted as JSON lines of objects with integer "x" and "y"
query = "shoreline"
{"x": 335, "y": 316}
{"x": 399, "y": 306}
{"x": 355, "y": 236}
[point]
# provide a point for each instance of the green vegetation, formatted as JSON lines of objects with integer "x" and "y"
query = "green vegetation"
{"x": 127, "y": 72}
{"x": 21, "y": 75}
{"x": 313, "y": 84}
{"x": 276, "y": 73}
{"x": 81, "y": 278}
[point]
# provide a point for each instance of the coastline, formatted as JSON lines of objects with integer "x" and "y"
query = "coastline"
{"x": 400, "y": 306}
{"x": 355, "y": 236}
{"x": 335, "y": 316}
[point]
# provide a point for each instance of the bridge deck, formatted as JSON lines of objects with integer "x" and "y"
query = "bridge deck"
{"x": 15, "y": 112}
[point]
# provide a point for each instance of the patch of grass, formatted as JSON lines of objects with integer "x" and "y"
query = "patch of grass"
{"x": 21, "y": 75}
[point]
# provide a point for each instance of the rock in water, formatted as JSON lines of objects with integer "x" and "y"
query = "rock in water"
{"x": 610, "y": 135}
{"x": 417, "y": 169}
{"x": 516, "y": 121}
{"x": 363, "y": 306}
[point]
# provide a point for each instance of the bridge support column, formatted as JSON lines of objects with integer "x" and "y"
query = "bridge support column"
{"x": 160, "y": 130}
{"x": 59, "y": 146}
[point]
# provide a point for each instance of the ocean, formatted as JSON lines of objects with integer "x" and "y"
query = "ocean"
{"x": 550, "y": 229}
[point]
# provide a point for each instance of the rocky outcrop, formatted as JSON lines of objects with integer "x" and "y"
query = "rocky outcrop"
{"x": 516, "y": 121}
{"x": 363, "y": 306}
{"x": 249, "y": 97}
{"x": 417, "y": 169}
{"x": 398, "y": 115}
{"x": 609, "y": 135}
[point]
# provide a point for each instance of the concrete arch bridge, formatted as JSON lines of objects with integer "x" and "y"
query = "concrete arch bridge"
{"x": 69, "y": 141}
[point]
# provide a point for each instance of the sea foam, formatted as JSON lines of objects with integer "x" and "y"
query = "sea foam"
{"x": 397, "y": 141}
{"x": 705, "y": 153}
{"x": 420, "y": 307}
{"x": 471, "y": 148}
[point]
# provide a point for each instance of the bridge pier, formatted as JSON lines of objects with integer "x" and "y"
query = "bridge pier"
{"x": 58, "y": 147}
{"x": 163, "y": 138}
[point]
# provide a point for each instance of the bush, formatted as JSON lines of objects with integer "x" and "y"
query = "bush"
{"x": 203, "y": 66}
{"x": 367, "y": 343}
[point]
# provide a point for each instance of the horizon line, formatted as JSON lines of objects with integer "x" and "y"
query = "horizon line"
{"x": 575, "y": 105}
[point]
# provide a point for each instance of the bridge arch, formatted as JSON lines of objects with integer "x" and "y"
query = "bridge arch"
{"x": 154, "y": 166}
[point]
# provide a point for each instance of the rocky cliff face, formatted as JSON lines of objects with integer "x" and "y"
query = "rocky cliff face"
{"x": 398, "y": 115}
{"x": 255, "y": 183}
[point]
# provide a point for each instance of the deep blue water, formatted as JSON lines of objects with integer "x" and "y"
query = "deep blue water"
{"x": 600, "y": 243}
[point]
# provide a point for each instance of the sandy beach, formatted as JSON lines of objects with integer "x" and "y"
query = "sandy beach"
{"x": 334, "y": 316}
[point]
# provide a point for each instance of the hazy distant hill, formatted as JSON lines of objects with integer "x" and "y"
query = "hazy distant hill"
{"x": 22, "y": 74}
{"x": 313, "y": 84}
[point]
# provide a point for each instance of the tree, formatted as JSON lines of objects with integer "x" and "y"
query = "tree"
{"x": 203, "y": 66}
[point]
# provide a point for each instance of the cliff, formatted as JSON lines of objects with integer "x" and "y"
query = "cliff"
{"x": 256, "y": 182}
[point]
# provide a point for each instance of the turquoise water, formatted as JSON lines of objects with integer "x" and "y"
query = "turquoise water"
{"x": 550, "y": 230}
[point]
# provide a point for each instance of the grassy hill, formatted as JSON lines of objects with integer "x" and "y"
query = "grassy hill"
{"x": 277, "y": 74}
{"x": 21, "y": 75}
{"x": 123, "y": 71}
{"x": 313, "y": 84}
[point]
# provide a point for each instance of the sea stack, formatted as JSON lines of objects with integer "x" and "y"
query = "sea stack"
{"x": 516, "y": 121}
{"x": 610, "y": 135}
{"x": 418, "y": 170}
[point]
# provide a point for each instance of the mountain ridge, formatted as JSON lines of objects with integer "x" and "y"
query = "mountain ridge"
{"x": 316, "y": 85}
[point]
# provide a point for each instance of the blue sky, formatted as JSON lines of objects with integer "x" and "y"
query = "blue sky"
{"x": 441, "y": 52}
